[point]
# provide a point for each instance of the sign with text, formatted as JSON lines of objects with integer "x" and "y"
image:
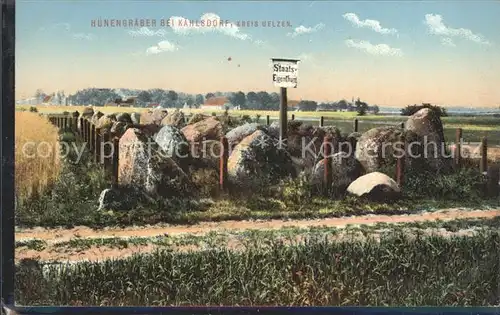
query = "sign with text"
{"x": 285, "y": 72}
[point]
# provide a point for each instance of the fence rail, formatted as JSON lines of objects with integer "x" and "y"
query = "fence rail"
{"x": 101, "y": 144}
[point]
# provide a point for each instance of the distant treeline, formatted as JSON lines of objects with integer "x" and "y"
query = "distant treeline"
{"x": 168, "y": 98}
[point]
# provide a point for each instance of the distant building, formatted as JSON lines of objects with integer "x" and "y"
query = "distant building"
{"x": 218, "y": 103}
{"x": 47, "y": 100}
{"x": 153, "y": 105}
{"x": 130, "y": 101}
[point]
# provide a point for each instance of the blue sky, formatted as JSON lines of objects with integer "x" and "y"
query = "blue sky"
{"x": 390, "y": 53}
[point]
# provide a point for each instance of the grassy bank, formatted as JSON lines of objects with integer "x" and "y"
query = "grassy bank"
{"x": 395, "y": 270}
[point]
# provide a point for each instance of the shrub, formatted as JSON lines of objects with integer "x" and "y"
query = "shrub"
{"x": 465, "y": 184}
{"x": 296, "y": 191}
{"x": 246, "y": 119}
{"x": 71, "y": 199}
{"x": 33, "y": 109}
{"x": 206, "y": 180}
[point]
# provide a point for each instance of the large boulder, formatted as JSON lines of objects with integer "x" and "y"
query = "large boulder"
{"x": 136, "y": 118}
{"x": 305, "y": 141}
{"x": 375, "y": 186}
{"x": 345, "y": 169}
{"x": 425, "y": 130}
{"x": 196, "y": 118}
{"x": 376, "y": 148}
{"x": 124, "y": 117}
{"x": 87, "y": 112}
{"x": 173, "y": 142}
{"x": 95, "y": 117}
{"x": 154, "y": 116}
{"x": 175, "y": 118}
{"x": 234, "y": 136}
{"x": 207, "y": 129}
{"x": 106, "y": 122}
{"x": 257, "y": 157}
{"x": 119, "y": 128}
{"x": 143, "y": 164}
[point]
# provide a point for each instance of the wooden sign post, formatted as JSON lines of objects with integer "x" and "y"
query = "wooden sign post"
{"x": 285, "y": 75}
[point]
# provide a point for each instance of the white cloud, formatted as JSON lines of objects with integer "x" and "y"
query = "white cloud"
{"x": 144, "y": 31}
{"x": 373, "y": 24}
{"x": 446, "y": 41}
{"x": 302, "y": 30}
{"x": 379, "y": 49}
{"x": 208, "y": 23}
{"x": 436, "y": 27}
{"x": 163, "y": 46}
{"x": 83, "y": 36}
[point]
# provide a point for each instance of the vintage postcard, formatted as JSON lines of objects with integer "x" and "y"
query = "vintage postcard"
{"x": 254, "y": 153}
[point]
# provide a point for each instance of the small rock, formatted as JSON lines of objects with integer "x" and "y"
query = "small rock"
{"x": 375, "y": 186}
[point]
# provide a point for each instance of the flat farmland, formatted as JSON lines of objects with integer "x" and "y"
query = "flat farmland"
{"x": 474, "y": 128}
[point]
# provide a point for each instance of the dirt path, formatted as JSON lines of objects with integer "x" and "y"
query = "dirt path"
{"x": 52, "y": 236}
{"x": 59, "y": 235}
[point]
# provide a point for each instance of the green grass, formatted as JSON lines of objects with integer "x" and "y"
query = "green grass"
{"x": 397, "y": 270}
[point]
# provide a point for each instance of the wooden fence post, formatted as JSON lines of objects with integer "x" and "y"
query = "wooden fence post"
{"x": 268, "y": 120}
{"x": 483, "y": 166}
{"x": 458, "y": 148}
{"x": 84, "y": 131}
{"x": 224, "y": 155}
{"x": 400, "y": 164}
{"x": 83, "y": 128}
{"x": 80, "y": 130}
{"x": 355, "y": 125}
{"x": 116, "y": 147}
{"x": 97, "y": 146}
{"x": 402, "y": 125}
{"x": 321, "y": 121}
{"x": 88, "y": 132}
{"x": 105, "y": 150}
{"x": 74, "y": 122}
{"x": 92, "y": 139}
{"x": 293, "y": 116}
{"x": 327, "y": 176}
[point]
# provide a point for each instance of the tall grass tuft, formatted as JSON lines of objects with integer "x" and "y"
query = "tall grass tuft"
{"x": 37, "y": 163}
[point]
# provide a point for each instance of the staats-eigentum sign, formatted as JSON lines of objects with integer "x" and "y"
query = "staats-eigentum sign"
{"x": 285, "y": 72}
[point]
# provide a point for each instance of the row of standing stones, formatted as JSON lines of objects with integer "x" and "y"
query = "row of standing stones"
{"x": 158, "y": 150}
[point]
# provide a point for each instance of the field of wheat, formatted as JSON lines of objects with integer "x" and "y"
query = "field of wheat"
{"x": 36, "y": 154}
